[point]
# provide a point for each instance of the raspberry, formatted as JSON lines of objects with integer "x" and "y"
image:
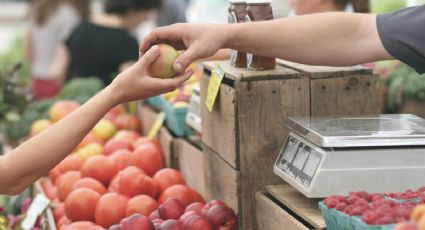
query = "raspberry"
{"x": 352, "y": 199}
{"x": 369, "y": 217}
{"x": 341, "y": 206}
{"x": 363, "y": 194}
{"x": 361, "y": 202}
{"x": 330, "y": 203}
{"x": 387, "y": 219}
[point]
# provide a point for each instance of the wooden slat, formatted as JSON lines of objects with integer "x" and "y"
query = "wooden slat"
{"x": 351, "y": 95}
{"x": 166, "y": 141}
{"x": 191, "y": 165}
{"x": 263, "y": 108}
{"x": 243, "y": 74}
{"x": 219, "y": 126}
{"x": 221, "y": 180}
{"x": 325, "y": 71}
{"x": 307, "y": 209}
{"x": 147, "y": 117}
{"x": 272, "y": 217}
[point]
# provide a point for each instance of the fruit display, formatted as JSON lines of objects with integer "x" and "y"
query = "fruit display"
{"x": 376, "y": 211}
{"x": 116, "y": 179}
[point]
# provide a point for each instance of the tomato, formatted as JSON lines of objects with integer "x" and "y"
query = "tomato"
{"x": 88, "y": 182}
{"x": 54, "y": 174}
{"x": 66, "y": 183}
{"x": 140, "y": 141}
{"x": 70, "y": 163}
{"x": 196, "y": 197}
{"x": 127, "y": 135}
{"x": 133, "y": 181}
{"x": 168, "y": 177}
{"x": 89, "y": 139}
{"x": 114, "y": 186}
{"x": 180, "y": 192}
{"x": 141, "y": 204}
{"x": 61, "y": 109}
{"x": 110, "y": 209}
{"x": 116, "y": 144}
{"x": 128, "y": 121}
{"x": 114, "y": 112}
{"x": 81, "y": 204}
{"x": 100, "y": 168}
{"x": 148, "y": 157}
{"x": 80, "y": 225}
{"x": 63, "y": 221}
{"x": 121, "y": 158}
{"x": 59, "y": 211}
{"x": 50, "y": 190}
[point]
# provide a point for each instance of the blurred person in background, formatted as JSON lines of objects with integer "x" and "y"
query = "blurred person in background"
{"x": 103, "y": 45}
{"x": 50, "y": 23}
{"x": 172, "y": 11}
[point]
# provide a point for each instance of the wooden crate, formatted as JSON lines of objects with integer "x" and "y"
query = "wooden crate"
{"x": 147, "y": 116}
{"x": 191, "y": 164}
{"x": 246, "y": 128}
{"x": 282, "y": 205}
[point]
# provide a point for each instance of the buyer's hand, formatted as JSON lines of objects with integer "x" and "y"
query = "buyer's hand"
{"x": 196, "y": 40}
{"x": 135, "y": 84}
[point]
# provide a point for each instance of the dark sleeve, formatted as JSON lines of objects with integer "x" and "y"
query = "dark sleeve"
{"x": 403, "y": 35}
{"x": 129, "y": 50}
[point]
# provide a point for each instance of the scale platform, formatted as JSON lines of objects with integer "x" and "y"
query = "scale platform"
{"x": 336, "y": 155}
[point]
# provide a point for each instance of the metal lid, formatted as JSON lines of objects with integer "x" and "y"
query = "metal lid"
{"x": 368, "y": 131}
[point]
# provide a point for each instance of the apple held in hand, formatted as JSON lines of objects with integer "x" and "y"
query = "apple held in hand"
{"x": 162, "y": 67}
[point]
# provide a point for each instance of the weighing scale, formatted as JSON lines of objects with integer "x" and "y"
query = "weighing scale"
{"x": 193, "y": 117}
{"x": 333, "y": 156}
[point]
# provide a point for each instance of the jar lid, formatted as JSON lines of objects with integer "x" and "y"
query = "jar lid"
{"x": 237, "y": 1}
{"x": 258, "y": 1}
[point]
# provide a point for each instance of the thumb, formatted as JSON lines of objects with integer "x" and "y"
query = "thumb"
{"x": 186, "y": 58}
{"x": 147, "y": 59}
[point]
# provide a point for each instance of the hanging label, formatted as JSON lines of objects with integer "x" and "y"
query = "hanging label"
{"x": 39, "y": 204}
{"x": 217, "y": 75}
{"x": 156, "y": 125}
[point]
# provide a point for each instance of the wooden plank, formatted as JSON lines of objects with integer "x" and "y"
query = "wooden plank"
{"x": 307, "y": 209}
{"x": 166, "y": 141}
{"x": 325, "y": 71}
{"x": 263, "y": 108}
{"x": 350, "y": 95}
{"x": 219, "y": 126}
{"x": 243, "y": 74}
{"x": 147, "y": 116}
{"x": 221, "y": 180}
{"x": 272, "y": 217}
{"x": 191, "y": 165}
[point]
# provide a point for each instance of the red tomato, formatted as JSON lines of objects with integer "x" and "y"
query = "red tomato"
{"x": 89, "y": 139}
{"x": 59, "y": 211}
{"x": 128, "y": 121}
{"x": 148, "y": 157}
{"x": 63, "y": 221}
{"x": 54, "y": 174}
{"x": 110, "y": 209}
{"x": 81, "y": 204}
{"x": 114, "y": 112}
{"x": 140, "y": 141}
{"x": 91, "y": 183}
{"x": 168, "y": 177}
{"x": 117, "y": 144}
{"x": 121, "y": 158}
{"x": 134, "y": 181}
{"x": 50, "y": 190}
{"x": 141, "y": 204}
{"x": 100, "y": 168}
{"x": 66, "y": 183}
{"x": 114, "y": 186}
{"x": 127, "y": 135}
{"x": 196, "y": 197}
{"x": 180, "y": 192}
{"x": 80, "y": 225}
{"x": 70, "y": 163}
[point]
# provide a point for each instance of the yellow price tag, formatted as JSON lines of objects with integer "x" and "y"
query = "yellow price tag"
{"x": 217, "y": 75}
{"x": 156, "y": 125}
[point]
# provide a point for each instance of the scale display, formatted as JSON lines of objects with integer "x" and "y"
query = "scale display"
{"x": 298, "y": 160}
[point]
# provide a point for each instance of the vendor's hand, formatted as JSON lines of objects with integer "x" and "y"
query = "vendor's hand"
{"x": 135, "y": 84}
{"x": 198, "y": 41}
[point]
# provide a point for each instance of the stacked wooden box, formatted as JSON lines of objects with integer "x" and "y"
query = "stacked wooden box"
{"x": 244, "y": 133}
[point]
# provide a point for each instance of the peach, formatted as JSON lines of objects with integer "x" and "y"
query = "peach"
{"x": 418, "y": 212}
{"x": 162, "y": 67}
{"x": 39, "y": 125}
{"x": 61, "y": 109}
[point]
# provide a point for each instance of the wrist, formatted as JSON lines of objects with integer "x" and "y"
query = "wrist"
{"x": 111, "y": 95}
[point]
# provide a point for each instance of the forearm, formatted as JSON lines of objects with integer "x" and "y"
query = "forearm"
{"x": 41, "y": 153}
{"x": 335, "y": 39}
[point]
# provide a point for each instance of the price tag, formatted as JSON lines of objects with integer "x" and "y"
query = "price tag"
{"x": 156, "y": 125}
{"x": 214, "y": 86}
{"x": 37, "y": 207}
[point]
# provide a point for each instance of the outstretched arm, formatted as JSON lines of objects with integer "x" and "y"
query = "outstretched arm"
{"x": 34, "y": 158}
{"x": 334, "y": 39}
